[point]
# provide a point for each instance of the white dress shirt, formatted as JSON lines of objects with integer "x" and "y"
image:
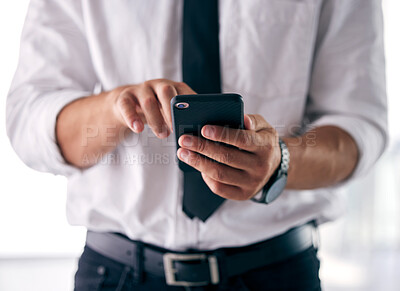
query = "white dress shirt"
{"x": 298, "y": 63}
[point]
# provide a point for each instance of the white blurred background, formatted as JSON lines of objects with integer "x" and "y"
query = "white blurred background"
{"x": 39, "y": 250}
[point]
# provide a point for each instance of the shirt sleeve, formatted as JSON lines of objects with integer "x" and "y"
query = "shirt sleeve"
{"x": 348, "y": 86}
{"x": 54, "y": 69}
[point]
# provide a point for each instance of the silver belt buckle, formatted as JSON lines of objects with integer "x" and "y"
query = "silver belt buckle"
{"x": 170, "y": 271}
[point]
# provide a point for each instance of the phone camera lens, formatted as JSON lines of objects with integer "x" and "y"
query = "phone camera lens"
{"x": 182, "y": 105}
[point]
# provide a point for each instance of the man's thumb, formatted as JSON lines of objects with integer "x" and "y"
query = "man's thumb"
{"x": 255, "y": 122}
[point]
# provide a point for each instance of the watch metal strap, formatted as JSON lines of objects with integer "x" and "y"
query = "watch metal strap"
{"x": 278, "y": 178}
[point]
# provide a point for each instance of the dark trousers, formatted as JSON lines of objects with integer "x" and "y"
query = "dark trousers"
{"x": 96, "y": 272}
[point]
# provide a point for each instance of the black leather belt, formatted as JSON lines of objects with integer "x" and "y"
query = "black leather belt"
{"x": 197, "y": 268}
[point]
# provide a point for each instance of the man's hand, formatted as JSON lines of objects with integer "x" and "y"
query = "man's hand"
{"x": 107, "y": 116}
{"x": 148, "y": 102}
{"x": 237, "y": 172}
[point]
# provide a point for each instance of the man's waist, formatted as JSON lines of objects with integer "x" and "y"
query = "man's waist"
{"x": 196, "y": 267}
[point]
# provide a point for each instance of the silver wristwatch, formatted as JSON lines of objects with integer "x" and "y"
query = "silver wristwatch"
{"x": 277, "y": 183}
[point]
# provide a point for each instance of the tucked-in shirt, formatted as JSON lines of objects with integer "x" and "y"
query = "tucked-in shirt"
{"x": 300, "y": 64}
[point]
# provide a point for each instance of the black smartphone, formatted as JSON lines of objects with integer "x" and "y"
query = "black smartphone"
{"x": 191, "y": 112}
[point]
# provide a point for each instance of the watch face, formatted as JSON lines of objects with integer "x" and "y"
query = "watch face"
{"x": 276, "y": 189}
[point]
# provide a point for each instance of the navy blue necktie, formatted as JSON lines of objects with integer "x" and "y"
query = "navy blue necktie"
{"x": 201, "y": 71}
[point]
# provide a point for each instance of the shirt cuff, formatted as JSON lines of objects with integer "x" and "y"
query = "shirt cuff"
{"x": 52, "y": 104}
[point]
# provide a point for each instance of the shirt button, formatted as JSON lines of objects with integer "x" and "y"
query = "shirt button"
{"x": 101, "y": 270}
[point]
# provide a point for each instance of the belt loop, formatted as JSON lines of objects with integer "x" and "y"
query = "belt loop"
{"x": 138, "y": 272}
